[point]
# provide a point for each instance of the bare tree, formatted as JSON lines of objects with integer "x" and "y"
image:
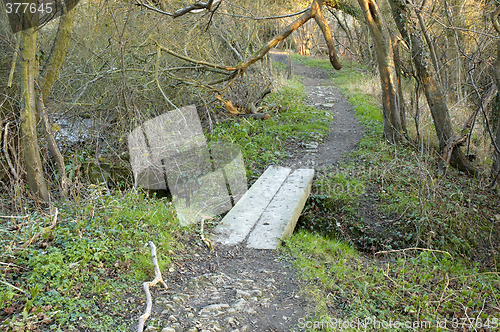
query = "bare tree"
{"x": 314, "y": 11}
{"x": 33, "y": 105}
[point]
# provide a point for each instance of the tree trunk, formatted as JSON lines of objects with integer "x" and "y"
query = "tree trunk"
{"x": 57, "y": 54}
{"x": 433, "y": 91}
{"x": 397, "y": 65}
{"x": 495, "y": 169}
{"x": 393, "y": 126}
{"x": 29, "y": 138}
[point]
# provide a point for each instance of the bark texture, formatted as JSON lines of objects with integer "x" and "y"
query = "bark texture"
{"x": 393, "y": 124}
{"x": 29, "y": 137}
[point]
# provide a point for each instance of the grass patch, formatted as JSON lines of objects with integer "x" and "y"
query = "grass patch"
{"x": 81, "y": 275}
{"x": 264, "y": 143}
{"x": 425, "y": 290}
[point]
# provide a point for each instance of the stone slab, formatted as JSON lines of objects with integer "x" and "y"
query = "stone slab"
{"x": 241, "y": 219}
{"x": 280, "y": 217}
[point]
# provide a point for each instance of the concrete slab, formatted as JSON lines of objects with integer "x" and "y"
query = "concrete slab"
{"x": 240, "y": 220}
{"x": 280, "y": 217}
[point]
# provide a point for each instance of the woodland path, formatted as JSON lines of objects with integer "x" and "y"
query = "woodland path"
{"x": 240, "y": 289}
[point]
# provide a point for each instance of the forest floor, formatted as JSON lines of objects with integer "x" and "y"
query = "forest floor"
{"x": 240, "y": 289}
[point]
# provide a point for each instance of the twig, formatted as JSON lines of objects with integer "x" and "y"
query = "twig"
{"x": 53, "y": 148}
{"x": 43, "y": 231}
{"x": 266, "y": 17}
{"x": 19, "y": 217}
{"x": 208, "y": 243}
{"x": 11, "y": 285}
{"x": 158, "y": 279}
{"x": 13, "y": 265}
{"x": 194, "y": 61}
{"x": 415, "y": 248}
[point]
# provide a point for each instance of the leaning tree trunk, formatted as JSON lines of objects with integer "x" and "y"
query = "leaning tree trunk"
{"x": 393, "y": 125}
{"x": 29, "y": 137}
{"x": 495, "y": 169}
{"x": 433, "y": 91}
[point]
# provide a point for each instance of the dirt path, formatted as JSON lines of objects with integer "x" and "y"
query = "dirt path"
{"x": 346, "y": 130}
{"x": 239, "y": 289}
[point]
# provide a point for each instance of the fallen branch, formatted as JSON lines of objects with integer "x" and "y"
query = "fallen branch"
{"x": 158, "y": 279}
{"x": 10, "y": 217}
{"x": 314, "y": 11}
{"x": 325, "y": 29}
{"x": 43, "y": 231}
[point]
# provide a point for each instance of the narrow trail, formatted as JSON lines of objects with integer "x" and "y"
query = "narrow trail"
{"x": 346, "y": 130}
{"x": 240, "y": 289}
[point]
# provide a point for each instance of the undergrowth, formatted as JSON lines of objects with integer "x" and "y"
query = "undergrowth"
{"x": 385, "y": 197}
{"x": 87, "y": 273}
{"x": 401, "y": 291}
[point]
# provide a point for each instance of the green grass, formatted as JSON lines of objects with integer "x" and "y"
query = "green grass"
{"x": 264, "y": 143}
{"x": 90, "y": 264}
{"x": 413, "y": 286}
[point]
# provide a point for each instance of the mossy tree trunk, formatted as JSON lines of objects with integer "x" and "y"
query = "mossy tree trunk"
{"x": 392, "y": 105}
{"x": 435, "y": 95}
{"x": 29, "y": 138}
{"x": 48, "y": 78}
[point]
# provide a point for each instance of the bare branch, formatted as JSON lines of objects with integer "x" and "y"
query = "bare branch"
{"x": 197, "y": 62}
{"x": 308, "y": 14}
{"x": 6, "y": 151}
{"x": 195, "y": 7}
{"x": 266, "y": 17}
{"x": 314, "y": 11}
{"x": 325, "y": 29}
{"x": 158, "y": 279}
{"x": 11, "y": 285}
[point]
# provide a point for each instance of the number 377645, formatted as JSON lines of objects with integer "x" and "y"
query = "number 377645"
{"x": 29, "y": 8}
